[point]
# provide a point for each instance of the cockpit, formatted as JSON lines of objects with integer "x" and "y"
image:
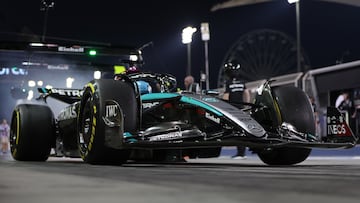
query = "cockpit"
{"x": 148, "y": 82}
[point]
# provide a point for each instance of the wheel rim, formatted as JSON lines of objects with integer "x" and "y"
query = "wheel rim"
{"x": 14, "y": 131}
{"x": 85, "y": 127}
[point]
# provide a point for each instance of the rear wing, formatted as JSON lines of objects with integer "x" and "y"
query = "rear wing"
{"x": 68, "y": 96}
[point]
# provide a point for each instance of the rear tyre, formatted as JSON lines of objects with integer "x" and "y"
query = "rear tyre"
{"x": 295, "y": 108}
{"x": 93, "y": 132}
{"x": 32, "y": 132}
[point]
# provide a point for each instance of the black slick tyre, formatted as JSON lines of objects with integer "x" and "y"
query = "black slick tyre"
{"x": 95, "y": 134}
{"x": 295, "y": 108}
{"x": 32, "y": 132}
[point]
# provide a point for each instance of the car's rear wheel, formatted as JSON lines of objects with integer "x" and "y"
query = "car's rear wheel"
{"x": 32, "y": 132}
{"x": 108, "y": 108}
{"x": 295, "y": 108}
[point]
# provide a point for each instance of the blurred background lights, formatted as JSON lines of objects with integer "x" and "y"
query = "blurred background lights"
{"x": 92, "y": 52}
{"x": 133, "y": 57}
{"x": 30, "y": 95}
{"x": 69, "y": 82}
{"x": 97, "y": 74}
{"x": 292, "y": 1}
{"x": 31, "y": 83}
{"x": 187, "y": 34}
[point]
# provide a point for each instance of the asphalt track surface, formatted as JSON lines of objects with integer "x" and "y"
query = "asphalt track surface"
{"x": 220, "y": 180}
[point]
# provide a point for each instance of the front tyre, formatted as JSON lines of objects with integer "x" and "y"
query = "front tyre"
{"x": 32, "y": 132}
{"x": 295, "y": 108}
{"x": 108, "y": 109}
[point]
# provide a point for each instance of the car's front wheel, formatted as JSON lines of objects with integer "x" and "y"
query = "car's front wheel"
{"x": 108, "y": 109}
{"x": 294, "y": 108}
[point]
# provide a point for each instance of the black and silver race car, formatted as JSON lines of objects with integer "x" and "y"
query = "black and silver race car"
{"x": 114, "y": 121}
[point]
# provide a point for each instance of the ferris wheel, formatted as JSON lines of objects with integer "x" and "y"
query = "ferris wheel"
{"x": 263, "y": 54}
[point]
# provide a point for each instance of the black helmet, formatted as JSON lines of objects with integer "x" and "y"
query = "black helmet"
{"x": 232, "y": 69}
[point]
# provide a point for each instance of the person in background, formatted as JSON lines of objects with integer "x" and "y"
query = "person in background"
{"x": 236, "y": 93}
{"x": 4, "y": 135}
{"x": 356, "y": 114}
{"x": 188, "y": 81}
{"x": 235, "y": 90}
{"x": 343, "y": 98}
{"x": 316, "y": 115}
{"x": 346, "y": 106}
{"x": 191, "y": 85}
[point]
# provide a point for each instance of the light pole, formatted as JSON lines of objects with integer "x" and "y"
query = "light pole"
{"x": 44, "y": 6}
{"x": 187, "y": 39}
{"x": 298, "y": 43}
{"x": 205, "y": 36}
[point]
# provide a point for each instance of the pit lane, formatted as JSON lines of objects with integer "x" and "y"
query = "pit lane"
{"x": 320, "y": 178}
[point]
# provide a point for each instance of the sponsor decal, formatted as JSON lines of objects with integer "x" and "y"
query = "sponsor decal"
{"x": 171, "y": 135}
{"x": 71, "y": 49}
{"x": 13, "y": 71}
{"x": 150, "y": 105}
{"x": 338, "y": 129}
{"x": 336, "y": 125}
{"x": 212, "y": 117}
{"x": 113, "y": 116}
{"x": 111, "y": 110}
{"x": 177, "y": 127}
{"x": 58, "y": 67}
{"x": 245, "y": 119}
{"x": 209, "y": 99}
{"x": 236, "y": 87}
{"x": 67, "y": 92}
{"x": 254, "y": 128}
{"x": 68, "y": 113}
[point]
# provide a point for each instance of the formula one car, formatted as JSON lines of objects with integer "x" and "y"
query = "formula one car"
{"x": 115, "y": 121}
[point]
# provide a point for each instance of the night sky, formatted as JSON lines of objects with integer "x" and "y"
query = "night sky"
{"x": 329, "y": 31}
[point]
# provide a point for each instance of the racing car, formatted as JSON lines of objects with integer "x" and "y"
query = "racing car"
{"x": 117, "y": 121}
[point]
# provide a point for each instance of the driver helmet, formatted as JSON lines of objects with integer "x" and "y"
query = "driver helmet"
{"x": 119, "y": 71}
{"x": 232, "y": 69}
{"x": 132, "y": 69}
{"x": 144, "y": 87}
